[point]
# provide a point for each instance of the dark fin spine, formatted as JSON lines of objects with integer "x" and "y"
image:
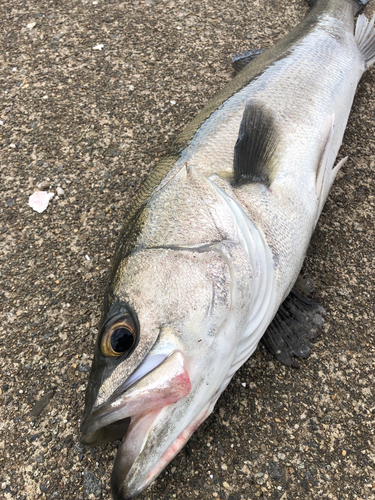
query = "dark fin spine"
{"x": 242, "y": 59}
{"x": 365, "y": 38}
{"x": 255, "y": 149}
{"x": 298, "y": 320}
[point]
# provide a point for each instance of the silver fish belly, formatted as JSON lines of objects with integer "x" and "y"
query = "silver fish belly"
{"x": 216, "y": 238}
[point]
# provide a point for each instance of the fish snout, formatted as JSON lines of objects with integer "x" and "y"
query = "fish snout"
{"x": 162, "y": 386}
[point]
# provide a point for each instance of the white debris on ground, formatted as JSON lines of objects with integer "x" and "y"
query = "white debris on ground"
{"x": 39, "y": 200}
{"x": 98, "y": 47}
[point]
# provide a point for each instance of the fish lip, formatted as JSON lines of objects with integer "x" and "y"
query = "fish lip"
{"x": 93, "y": 423}
{"x": 129, "y": 404}
{"x": 93, "y": 426}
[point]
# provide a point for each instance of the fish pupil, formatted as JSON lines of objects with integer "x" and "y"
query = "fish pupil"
{"x": 122, "y": 340}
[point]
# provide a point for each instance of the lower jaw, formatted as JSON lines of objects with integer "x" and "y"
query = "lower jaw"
{"x": 127, "y": 483}
{"x": 178, "y": 444}
{"x": 128, "y": 452}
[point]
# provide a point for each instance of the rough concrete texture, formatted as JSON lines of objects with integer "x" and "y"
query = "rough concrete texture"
{"x": 94, "y": 123}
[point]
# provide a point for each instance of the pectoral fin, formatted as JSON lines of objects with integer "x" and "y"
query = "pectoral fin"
{"x": 298, "y": 320}
{"x": 325, "y": 175}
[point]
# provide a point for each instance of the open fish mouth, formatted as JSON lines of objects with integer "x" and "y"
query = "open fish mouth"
{"x": 130, "y": 415}
{"x": 132, "y": 472}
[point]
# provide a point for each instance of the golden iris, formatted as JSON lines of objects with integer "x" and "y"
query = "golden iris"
{"x": 119, "y": 337}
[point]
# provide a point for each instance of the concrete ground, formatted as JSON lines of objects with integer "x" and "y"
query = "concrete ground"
{"x": 92, "y": 94}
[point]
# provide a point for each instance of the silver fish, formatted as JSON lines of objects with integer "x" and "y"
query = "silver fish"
{"x": 216, "y": 239}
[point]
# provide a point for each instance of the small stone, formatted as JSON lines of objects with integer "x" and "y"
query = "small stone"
{"x": 275, "y": 471}
{"x": 10, "y": 202}
{"x": 91, "y": 484}
{"x": 43, "y": 185}
{"x": 343, "y": 453}
{"x": 226, "y": 485}
{"x": 79, "y": 448}
{"x": 39, "y": 459}
{"x": 41, "y": 404}
{"x": 60, "y": 192}
{"x": 43, "y": 487}
{"x": 83, "y": 368}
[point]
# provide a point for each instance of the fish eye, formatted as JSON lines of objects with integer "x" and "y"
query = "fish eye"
{"x": 119, "y": 338}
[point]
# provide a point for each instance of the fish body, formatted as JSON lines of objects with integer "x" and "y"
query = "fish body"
{"x": 216, "y": 239}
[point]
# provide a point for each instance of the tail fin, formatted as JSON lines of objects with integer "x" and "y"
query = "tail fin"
{"x": 365, "y": 38}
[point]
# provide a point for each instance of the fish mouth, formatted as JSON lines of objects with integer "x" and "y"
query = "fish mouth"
{"x": 130, "y": 474}
{"x": 130, "y": 415}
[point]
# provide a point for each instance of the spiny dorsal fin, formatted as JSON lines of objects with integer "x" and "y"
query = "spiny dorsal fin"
{"x": 242, "y": 59}
{"x": 298, "y": 320}
{"x": 255, "y": 149}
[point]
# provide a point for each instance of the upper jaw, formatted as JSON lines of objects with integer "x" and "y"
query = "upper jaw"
{"x": 164, "y": 385}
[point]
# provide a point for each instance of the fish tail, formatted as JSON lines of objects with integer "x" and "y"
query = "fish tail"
{"x": 365, "y": 38}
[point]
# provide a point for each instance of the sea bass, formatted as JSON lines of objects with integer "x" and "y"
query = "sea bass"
{"x": 215, "y": 241}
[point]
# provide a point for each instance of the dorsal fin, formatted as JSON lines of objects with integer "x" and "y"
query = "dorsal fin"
{"x": 255, "y": 149}
{"x": 242, "y": 59}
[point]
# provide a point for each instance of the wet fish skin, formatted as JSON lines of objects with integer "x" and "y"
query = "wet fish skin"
{"x": 206, "y": 256}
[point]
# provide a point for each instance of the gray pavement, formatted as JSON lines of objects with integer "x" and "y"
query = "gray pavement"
{"x": 95, "y": 123}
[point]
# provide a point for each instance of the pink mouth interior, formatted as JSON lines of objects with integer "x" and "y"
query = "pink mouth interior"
{"x": 167, "y": 384}
{"x": 178, "y": 444}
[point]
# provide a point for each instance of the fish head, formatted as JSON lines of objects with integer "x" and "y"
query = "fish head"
{"x": 165, "y": 346}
